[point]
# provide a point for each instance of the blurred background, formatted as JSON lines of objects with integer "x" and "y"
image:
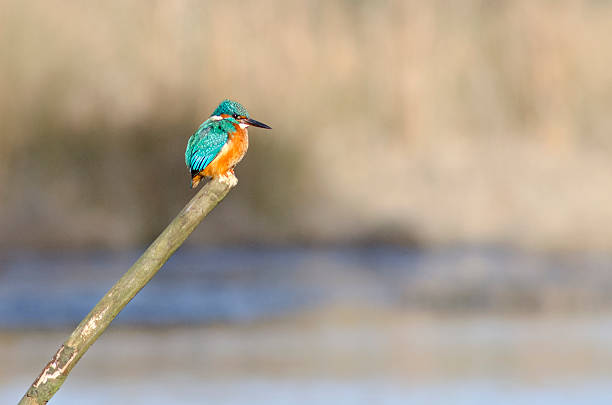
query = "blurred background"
{"x": 429, "y": 221}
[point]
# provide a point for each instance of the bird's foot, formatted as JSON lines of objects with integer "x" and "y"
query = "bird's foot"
{"x": 229, "y": 178}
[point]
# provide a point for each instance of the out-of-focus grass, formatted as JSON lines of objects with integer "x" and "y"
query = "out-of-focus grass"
{"x": 475, "y": 121}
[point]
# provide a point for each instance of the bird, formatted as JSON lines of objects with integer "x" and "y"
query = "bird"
{"x": 220, "y": 143}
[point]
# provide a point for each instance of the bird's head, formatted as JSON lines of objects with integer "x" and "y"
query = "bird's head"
{"x": 235, "y": 110}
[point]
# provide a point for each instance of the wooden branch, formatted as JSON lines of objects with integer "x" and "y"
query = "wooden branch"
{"x": 90, "y": 328}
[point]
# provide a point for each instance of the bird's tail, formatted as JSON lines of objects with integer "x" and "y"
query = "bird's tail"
{"x": 196, "y": 178}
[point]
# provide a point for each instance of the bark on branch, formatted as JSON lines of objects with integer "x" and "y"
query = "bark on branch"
{"x": 141, "y": 272}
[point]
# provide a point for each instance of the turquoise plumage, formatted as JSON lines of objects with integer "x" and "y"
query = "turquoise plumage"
{"x": 220, "y": 143}
{"x": 206, "y": 143}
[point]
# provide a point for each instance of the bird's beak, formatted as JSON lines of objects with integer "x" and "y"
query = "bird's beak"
{"x": 255, "y": 123}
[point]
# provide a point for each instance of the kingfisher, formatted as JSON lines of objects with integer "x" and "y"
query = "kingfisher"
{"x": 220, "y": 143}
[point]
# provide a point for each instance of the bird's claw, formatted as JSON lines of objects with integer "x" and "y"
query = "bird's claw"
{"x": 229, "y": 178}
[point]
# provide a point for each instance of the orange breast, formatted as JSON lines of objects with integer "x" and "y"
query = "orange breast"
{"x": 231, "y": 153}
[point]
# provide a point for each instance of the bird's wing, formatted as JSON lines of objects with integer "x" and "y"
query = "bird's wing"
{"x": 203, "y": 146}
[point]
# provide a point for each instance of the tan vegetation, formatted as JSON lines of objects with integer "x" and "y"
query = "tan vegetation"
{"x": 435, "y": 122}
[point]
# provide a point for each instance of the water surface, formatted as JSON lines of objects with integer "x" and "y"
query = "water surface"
{"x": 319, "y": 326}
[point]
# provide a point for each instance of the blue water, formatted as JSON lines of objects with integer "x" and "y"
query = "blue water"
{"x": 313, "y": 392}
{"x": 380, "y": 325}
{"x": 235, "y": 285}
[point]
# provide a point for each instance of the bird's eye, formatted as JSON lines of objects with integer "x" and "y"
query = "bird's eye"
{"x": 235, "y": 116}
